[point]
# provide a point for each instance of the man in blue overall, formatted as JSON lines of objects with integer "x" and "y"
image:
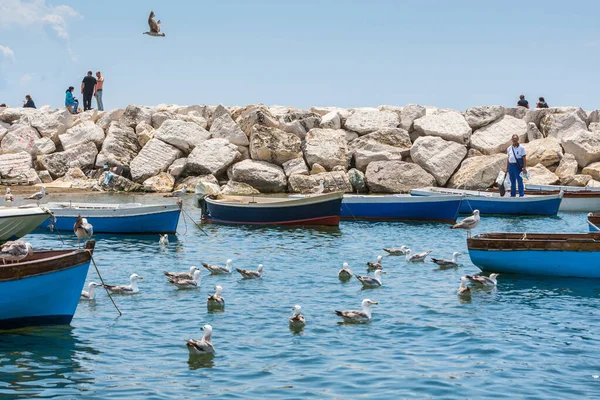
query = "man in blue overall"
{"x": 516, "y": 163}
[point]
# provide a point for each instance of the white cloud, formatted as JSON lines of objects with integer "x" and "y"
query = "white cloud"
{"x": 7, "y": 52}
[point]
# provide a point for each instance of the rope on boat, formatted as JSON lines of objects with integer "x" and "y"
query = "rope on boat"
{"x": 103, "y": 284}
{"x": 192, "y": 219}
{"x": 345, "y": 205}
{"x": 593, "y": 226}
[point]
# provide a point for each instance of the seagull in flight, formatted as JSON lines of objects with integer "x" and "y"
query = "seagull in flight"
{"x": 154, "y": 26}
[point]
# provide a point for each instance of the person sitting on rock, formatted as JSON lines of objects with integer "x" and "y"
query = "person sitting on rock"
{"x": 71, "y": 102}
{"x": 541, "y": 103}
{"x": 2, "y": 105}
{"x": 522, "y": 102}
{"x": 28, "y": 103}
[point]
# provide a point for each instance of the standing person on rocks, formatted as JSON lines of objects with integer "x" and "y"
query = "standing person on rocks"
{"x": 516, "y": 163}
{"x": 522, "y": 102}
{"x": 541, "y": 103}
{"x": 28, "y": 103}
{"x": 71, "y": 102}
{"x": 98, "y": 94}
{"x": 88, "y": 87}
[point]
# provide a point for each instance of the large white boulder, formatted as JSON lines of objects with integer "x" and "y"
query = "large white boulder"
{"x": 161, "y": 183}
{"x": 155, "y": 157}
{"x": 144, "y": 132}
{"x": 409, "y": 114}
{"x": 584, "y": 145}
{"x": 357, "y": 180}
{"x": 326, "y": 147}
{"x": 15, "y": 165}
{"x": 295, "y": 166}
{"x": 496, "y": 137}
{"x": 255, "y": 115}
{"x": 478, "y": 117}
{"x": 367, "y": 121}
{"x": 44, "y": 145}
{"x": 540, "y": 175}
{"x": 133, "y": 115}
{"x": 223, "y": 126}
{"x": 543, "y": 151}
{"x": 183, "y": 135}
{"x": 3, "y": 129}
{"x": 177, "y": 167}
{"x": 82, "y": 133}
{"x": 213, "y": 156}
{"x": 478, "y": 172}
{"x": 437, "y": 156}
{"x": 109, "y": 117}
{"x": 120, "y": 146}
{"x": 273, "y": 145}
{"x": 19, "y": 138}
{"x": 331, "y": 120}
{"x": 517, "y": 112}
{"x": 592, "y": 169}
{"x": 533, "y": 133}
{"x": 264, "y": 176}
{"x": 567, "y": 167}
{"x": 334, "y": 181}
{"x": 390, "y": 144}
{"x": 449, "y": 125}
{"x": 238, "y": 189}
{"x": 52, "y": 124}
{"x": 82, "y": 156}
{"x": 396, "y": 177}
{"x": 562, "y": 125}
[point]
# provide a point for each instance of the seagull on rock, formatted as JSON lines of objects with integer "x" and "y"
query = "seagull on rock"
{"x": 371, "y": 282}
{"x": 321, "y": 188}
{"x": 83, "y": 229}
{"x": 484, "y": 281}
{"x": 154, "y": 26}
{"x": 218, "y": 269}
{"x": 249, "y": 274}
{"x": 164, "y": 239}
{"x": 202, "y": 346}
{"x": 417, "y": 257}
{"x": 216, "y": 300}
{"x": 297, "y": 320}
{"x": 182, "y": 275}
{"x": 468, "y": 223}
{"x": 396, "y": 252}
{"x": 15, "y": 251}
{"x": 178, "y": 193}
{"x": 90, "y": 294}
{"x": 375, "y": 265}
{"x": 447, "y": 263}
{"x": 38, "y": 196}
{"x": 132, "y": 288}
{"x": 345, "y": 273}
{"x": 8, "y": 197}
{"x": 358, "y": 317}
{"x": 464, "y": 290}
{"x": 187, "y": 283}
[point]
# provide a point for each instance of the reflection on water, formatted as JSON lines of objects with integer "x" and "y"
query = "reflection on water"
{"x": 201, "y": 361}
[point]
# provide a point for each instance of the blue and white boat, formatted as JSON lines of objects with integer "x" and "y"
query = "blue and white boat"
{"x": 574, "y": 255}
{"x": 44, "y": 288}
{"x": 116, "y": 218}
{"x": 401, "y": 207}
{"x": 489, "y": 203}
{"x": 16, "y": 222}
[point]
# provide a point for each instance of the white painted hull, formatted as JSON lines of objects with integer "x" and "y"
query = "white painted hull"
{"x": 580, "y": 204}
{"x": 18, "y": 222}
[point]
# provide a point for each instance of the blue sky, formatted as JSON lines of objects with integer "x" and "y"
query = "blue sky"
{"x": 452, "y": 54}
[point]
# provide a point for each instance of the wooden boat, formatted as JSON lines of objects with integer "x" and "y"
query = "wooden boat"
{"x": 552, "y": 254}
{"x": 44, "y": 288}
{"x": 575, "y": 199}
{"x": 489, "y": 203}
{"x": 16, "y": 222}
{"x": 321, "y": 209}
{"x": 595, "y": 220}
{"x": 116, "y": 218}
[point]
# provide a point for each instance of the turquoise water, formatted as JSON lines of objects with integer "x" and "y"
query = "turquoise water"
{"x": 530, "y": 338}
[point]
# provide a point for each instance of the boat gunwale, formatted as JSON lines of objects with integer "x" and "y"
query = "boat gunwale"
{"x": 481, "y": 195}
{"x": 513, "y": 241}
{"x": 275, "y": 202}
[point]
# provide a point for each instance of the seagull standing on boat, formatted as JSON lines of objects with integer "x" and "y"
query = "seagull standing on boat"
{"x": 371, "y": 282}
{"x": 187, "y": 283}
{"x": 396, "y": 252}
{"x": 218, "y": 269}
{"x": 182, "y": 275}
{"x": 164, "y": 239}
{"x": 447, "y": 263}
{"x": 8, "y": 197}
{"x": 15, "y": 251}
{"x": 83, "y": 229}
{"x": 154, "y": 26}
{"x": 178, "y": 193}
{"x": 345, "y": 273}
{"x": 38, "y": 196}
{"x": 417, "y": 257}
{"x": 216, "y": 300}
{"x": 484, "y": 281}
{"x": 297, "y": 320}
{"x": 249, "y": 274}
{"x": 358, "y": 317}
{"x": 468, "y": 223}
{"x": 321, "y": 188}
{"x": 202, "y": 346}
{"x": 375, "y": 265}
{"x": 464, "y": 290}
{"x": 126, "y": 289}
{"x": 90, "y": 294}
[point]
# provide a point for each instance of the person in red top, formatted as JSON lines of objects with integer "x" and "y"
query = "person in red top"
{"x": 98, "y": 94}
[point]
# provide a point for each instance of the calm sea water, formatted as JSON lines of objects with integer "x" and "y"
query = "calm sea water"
{"x": 530, "y": 338}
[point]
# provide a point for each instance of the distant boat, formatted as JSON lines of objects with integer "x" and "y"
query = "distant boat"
{"x": 489, "y": 203}
{"x": 44, "y": 288}
{"x": 321, "y": 209}
{"x": 116, "y": 218}
{"x": 550, "y": 254}
{"x": 594, "y": 219}
{"x": 576, "y": 198}
{"x": 16, "y": 222}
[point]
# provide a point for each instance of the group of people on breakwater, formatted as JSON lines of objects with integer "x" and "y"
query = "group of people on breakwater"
{"x": 524, "y": 103}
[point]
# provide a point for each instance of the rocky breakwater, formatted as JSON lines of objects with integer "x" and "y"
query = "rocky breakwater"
{"x": 252, "y": 149}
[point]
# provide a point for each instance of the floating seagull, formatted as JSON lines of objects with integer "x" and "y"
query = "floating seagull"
{"x": 375, "y": 265}
{"x": 464, "y": 290}
{"x": 216, "y": 300}
{"x": 321, "y": 187}
{"x": 182, "y": 275}
{"x": 178, "y": 193}
{"x": 202, "y": 346}
{"x": 83, "y": 229}
{"x": 481, "y": 280}
{"x": 345, "y": 273}
{"x": 154, "y": 26}
{"x": 447, "y": 263}
{"x": 417, "y": 257}
{"x": 468, "y": 223}
{"x": 249, "y": 274}
{"x": 8, "y": 197}
{"x": 128, "y": 289}
{"x": 164, "y": 239}
{"x": 297, "y": 320}
{"x": 358, "y": 316}
{"x": 217, "y": 269}
{"x": 38, "y": 196}
{"x": 15, "y": 251}
{"x": 90, "y": 294}
{"x": 397, "y": 252}
{"x": 187, "y": 283}
{"x": 371, "y": 282}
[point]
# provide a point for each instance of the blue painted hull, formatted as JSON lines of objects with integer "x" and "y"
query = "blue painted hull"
{"x": 46, "y": 299}
{"x": 403, "y": 209}
{"x": 563, "y": 263}
{"x": 164, "y": 222}
{"x": 489, "y": 207}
